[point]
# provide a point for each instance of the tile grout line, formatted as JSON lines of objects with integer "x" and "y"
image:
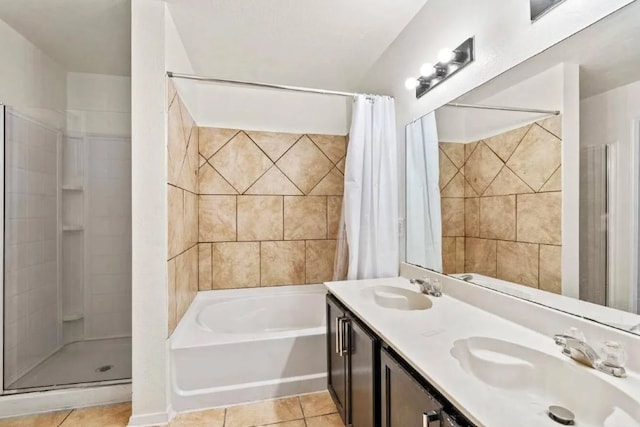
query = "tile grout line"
{"x": 65, "y": 418}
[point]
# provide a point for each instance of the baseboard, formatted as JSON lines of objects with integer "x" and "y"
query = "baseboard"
{"x": 153, "y": 419}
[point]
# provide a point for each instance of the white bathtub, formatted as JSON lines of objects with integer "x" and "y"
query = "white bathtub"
{"x": 242, "y": 345}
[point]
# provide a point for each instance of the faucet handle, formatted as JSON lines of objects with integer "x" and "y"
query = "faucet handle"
{"x": 576, "y": 333}
{"x": 613, "y": 354}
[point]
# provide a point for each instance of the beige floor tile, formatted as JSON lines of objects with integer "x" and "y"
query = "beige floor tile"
{"x": 297, "y": 423}
{"x": 101, "y": 416}
{"x": 210, "y": 418}
{"x": 264, "y": 413}
{"x": 332, "y": 420}
{"x": 317, "y": 404}
{"x": 52, "y": 419}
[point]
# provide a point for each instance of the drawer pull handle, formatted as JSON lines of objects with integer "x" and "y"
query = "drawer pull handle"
{"x": 429, "y": 417}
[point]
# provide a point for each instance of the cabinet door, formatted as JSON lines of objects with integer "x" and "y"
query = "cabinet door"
{"x": 404, "y": 402}
{"x": 336, "y": 357}
{"x": 363, "y": 373}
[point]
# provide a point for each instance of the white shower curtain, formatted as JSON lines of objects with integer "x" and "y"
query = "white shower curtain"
{"x": 368, "y": 245}
{"x": 424, "y": 241}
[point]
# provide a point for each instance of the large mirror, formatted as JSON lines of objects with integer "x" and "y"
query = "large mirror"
{"x": 529, "y": 183}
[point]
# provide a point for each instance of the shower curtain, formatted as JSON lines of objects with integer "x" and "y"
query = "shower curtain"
{"x": 368, "y": 245}
{"x": 424, "y": 243}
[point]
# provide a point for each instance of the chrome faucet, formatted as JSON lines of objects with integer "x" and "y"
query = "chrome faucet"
{"x": 466, "y": 277}
{"x": 426, "y": 287}
{"x": 579, "y": 350}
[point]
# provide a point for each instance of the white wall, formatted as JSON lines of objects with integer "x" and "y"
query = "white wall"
{"x": 611, "y": 118}
{"x": 31, "y": 80}
{"x": 98, "y": 104}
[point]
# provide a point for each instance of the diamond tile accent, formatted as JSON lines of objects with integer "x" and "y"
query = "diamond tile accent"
{"x": 188, "y": 125}
{"x": 333, "y": 146}
{"x": 507, "y": 183}
{"x": 213, "y": 139}
{"x": 469, "y": 148}
{"x": 552, "y": 124}
{"x": 211, "y": 182}
{"x": 505, "y": 143}
{"x": 555, "y": 182}
{"x": 274, "y": 182}
{"x": 468, "y": 190}
{"x": 536, "y": 158}
{"x": 455, "y": 188}
{"x": 240, "y": 162}
{"x": 455, "y": 152}
{"x": 188, "y": 178}
{"x": 482, "y": 167}
{"x": 304, "y": 164}
{"x": 331, "y": 185}
{"x": 447, "y": 169}
{"x": 274, "y": 144}
{"x": 341, "y": 165}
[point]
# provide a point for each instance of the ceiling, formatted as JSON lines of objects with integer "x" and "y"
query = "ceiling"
{"x": 328, "y": 44}
{"x": 91, "y": 36}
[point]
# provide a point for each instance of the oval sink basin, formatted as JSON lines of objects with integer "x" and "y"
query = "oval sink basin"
{"x": 536, "y": 380}
{"x": 397, "y": 298}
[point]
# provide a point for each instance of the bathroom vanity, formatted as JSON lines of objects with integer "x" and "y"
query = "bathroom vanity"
{"x": 374, "y": 386}
{"x": 472, "y": 357}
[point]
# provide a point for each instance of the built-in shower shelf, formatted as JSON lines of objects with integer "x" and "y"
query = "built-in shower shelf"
{"x": 72, "y": 317}
{"x": 73, "y": 188}
{"x": 72, "y": 228}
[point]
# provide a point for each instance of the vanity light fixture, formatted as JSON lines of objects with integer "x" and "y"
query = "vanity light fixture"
{"x": 449, "y": 63}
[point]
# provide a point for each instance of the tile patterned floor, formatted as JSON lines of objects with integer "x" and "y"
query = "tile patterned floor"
{"x": 309, "y": 410}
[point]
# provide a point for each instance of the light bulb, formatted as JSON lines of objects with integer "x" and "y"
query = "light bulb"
{"x": 411, "y": 83}
{"x": 427, "y": 69}
{"x": 446, "y": 55}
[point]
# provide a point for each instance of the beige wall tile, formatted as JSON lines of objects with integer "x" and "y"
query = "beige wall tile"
{"x": 172, "y": 298}
{"x": 539, "y": 218}
{"x": 455, "y": 152}
{"x": 188, "y": 178}
{"x": 498, "y": 217}
{"x": 460, "y": 254}
{"x": 176, "y": 144}
{"x": 452, "y": 217}
{"x": 177, "y": 236}
{"x": 274, "y": 144}
{"x": 317, "y": 404}
{"x": 448, "y": 255}
{"x": 265, "y": 412}
{"x": 190, "y": 218}
{"x": 341, "y": 165}
{"x": 333, "y": 146}
{"x": 505, "y": 143}
{"x": 240, "y": 162}
{"x": 455, "y": 188}
{"x": 469, "y": 148}
{"x": 472, "y": 217}
{"x": 482, "y": 167}
{"x": 208, "y": 418}
{"x": 213, "y": 139}
{"x": 103, "y": 416}
{"x": 260, "y": 218}
{"x": 518, "y": 263}
{"x": 305, "y": 217}
{"x": 480, "y": 256}
{"x": 235, "y": 265}
{"x": 217, "y": 218}
{"x": 274, "y": 182}
{"x": 305, "y": 164}
{"x": 507, "y": 183}
{"x": 320, "y": 256}
{"x": 330, "y": 185}
{"x": 551, "y": 268}
{"x": 447, "y": 169}
{"x": 552, "y": 124}
{"x": 468, "y": 189}
{"x": 537, "y": 157}
{"x": 555, "y": 182}
{"x": 211, "y": 182}
{"x": 334, "y": 210}
{"x": 282, "y": 263}
{"x": 186, "y": 280}
{"x": 204, "y": 266}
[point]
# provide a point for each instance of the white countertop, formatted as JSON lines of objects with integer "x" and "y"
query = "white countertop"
{"x": 424, "y": 338}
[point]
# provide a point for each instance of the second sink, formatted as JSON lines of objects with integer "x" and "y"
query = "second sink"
{"x": 397, "y": 298}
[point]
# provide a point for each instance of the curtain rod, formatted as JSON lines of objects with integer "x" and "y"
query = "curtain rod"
{"x": 498, "y": 108}
{"x": 262, "y": 85}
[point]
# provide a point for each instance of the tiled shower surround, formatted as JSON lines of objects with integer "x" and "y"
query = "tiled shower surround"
{"x": 249, "y": 209}
{"x": 501, "y": 205}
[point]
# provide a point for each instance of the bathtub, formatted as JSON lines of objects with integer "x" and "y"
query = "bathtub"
{"x": 242, "y": 345}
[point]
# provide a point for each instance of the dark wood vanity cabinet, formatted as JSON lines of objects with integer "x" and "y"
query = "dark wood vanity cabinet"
{"x": 352, "y": 366}
{"x": 373, "y": 387}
